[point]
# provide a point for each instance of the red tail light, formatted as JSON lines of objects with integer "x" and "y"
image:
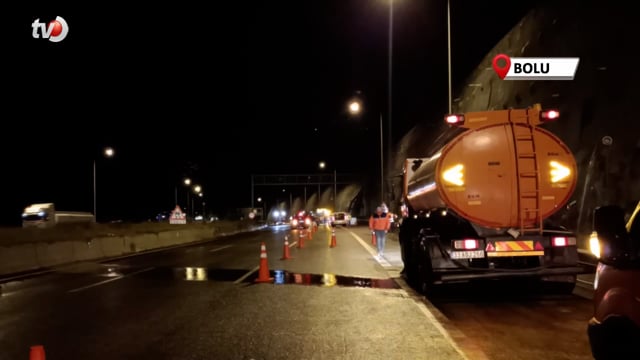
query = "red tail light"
{"x": 466, "y": 244}
{"x": 454, "y": 119}
{"x": 563, "y": 241}
{"x": 549, "y": 115}
{"x": 559, "y": 241}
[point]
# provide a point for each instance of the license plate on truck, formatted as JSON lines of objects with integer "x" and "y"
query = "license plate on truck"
{"x": 473, "y": 254}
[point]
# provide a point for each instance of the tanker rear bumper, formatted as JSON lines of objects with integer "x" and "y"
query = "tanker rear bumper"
{"x": 445, "y": 276}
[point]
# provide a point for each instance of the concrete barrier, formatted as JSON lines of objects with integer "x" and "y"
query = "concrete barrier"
{"x": 30, "y": 256}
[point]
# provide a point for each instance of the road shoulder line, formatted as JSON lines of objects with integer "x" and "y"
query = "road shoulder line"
{"x": 385, "y": 264}
{"x": 451, "y": 334}
{"x": 109, "y": 280}
{"x": 241, "y": 279}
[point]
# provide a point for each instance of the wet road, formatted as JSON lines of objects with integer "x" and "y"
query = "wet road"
{"x": 200, "y": 302}
{"x": 513, "y": 320}
{"x": 518, "y": 321}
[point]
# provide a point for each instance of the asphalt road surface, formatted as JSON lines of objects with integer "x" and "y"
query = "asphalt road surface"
{"x": 201, "y": 302}
{"x": 519, "y": 321}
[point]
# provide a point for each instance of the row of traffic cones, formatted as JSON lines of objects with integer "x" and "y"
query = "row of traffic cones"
{"x": 263, "y": 271}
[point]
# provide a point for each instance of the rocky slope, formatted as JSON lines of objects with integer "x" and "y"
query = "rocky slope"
{"x": 599, "y": 102}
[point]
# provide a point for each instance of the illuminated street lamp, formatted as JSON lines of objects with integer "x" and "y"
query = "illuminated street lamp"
{"x": 201, "y": 194}
{"x": 197, "y": 189}
{"x": 323, "y": 165}
{"x": 108, "y": 152}
{"x": 185, "y": 182}
{"x": 355, "y": 109}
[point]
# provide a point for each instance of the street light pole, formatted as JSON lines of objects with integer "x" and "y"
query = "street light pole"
{"x": 107, "y": 152}
{"x": 449, "y": 53}
{"x": 252, "y": 191}
{"x": 389, "y": 94}
{"x": 335, "y": 190}
{"x": 381, "y": 163}
{"x": 95, "y": 215}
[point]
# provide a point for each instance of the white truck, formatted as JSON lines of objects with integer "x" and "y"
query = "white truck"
{"x": 45, "y": 215}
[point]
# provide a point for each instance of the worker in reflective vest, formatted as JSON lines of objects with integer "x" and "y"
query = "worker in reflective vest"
{"x": 379, "y": 223}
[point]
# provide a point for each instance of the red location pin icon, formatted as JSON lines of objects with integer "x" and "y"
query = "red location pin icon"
{"x": 501, "y": 71}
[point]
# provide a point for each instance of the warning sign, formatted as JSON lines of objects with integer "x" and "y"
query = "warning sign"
{"x": 177, "y": 216}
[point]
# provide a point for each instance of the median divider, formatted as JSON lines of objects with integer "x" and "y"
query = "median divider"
{"x": 30, "y": 256}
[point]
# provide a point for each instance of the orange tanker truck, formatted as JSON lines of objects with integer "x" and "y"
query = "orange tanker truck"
{"x": 477, "y": 207}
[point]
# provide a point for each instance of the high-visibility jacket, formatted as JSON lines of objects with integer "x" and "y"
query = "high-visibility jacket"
{"x": 379, "y": 222}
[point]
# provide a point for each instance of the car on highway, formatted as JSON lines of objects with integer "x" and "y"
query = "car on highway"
{"x": 340, "y": 218}
{"x": 614, "y": 329}
{"x": 302, "y": 220}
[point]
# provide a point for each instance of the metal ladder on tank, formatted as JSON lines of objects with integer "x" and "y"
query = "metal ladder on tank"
{"x": 524, "y": 139}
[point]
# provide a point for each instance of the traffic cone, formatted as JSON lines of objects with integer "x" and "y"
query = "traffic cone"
{"x": 373, "y": 238}
{"x": 36, "y": 353}
{"x": 333, "y": 239}
{"x": 310, "y": 234}
{"x": 285, "y": 250}
{"x": 301, "y": 240}
{"x": 263, "y": 273}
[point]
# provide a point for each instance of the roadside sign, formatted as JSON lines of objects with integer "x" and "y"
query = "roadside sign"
{"x": 177, "y": 216}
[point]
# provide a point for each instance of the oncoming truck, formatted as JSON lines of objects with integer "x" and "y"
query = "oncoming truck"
{"x": 45, "y": 215}
{"x": 477, "y": 206}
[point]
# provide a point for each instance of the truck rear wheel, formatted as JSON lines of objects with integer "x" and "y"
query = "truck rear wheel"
{"x": 424, "y": 269}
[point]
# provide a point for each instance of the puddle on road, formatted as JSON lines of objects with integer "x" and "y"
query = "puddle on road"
{"x": 195, "y": 274}
{"x": 280, "y": 277}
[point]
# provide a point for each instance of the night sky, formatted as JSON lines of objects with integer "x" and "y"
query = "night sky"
{"x": 217, "y": 93}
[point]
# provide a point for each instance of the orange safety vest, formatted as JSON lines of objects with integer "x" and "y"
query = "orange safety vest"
{"x": 379, "y": 222}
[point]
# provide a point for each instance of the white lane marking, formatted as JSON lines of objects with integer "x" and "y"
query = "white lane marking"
{"x": 371, "y": 251}
{"x": 247, "y": 275}
{"x": 27, "y": 275}
{"x": 421, "y": 305}
{"x": 293, "y": 244}
{"x": 110, "y": 280}
{"x": 220, "y": 248}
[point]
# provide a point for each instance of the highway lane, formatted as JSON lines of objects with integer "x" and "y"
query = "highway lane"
{"x": 199, "y": 302}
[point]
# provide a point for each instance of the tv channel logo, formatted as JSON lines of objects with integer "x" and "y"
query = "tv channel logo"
{"x": 511, "y": 68}
{"x": 55, "y": 31}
